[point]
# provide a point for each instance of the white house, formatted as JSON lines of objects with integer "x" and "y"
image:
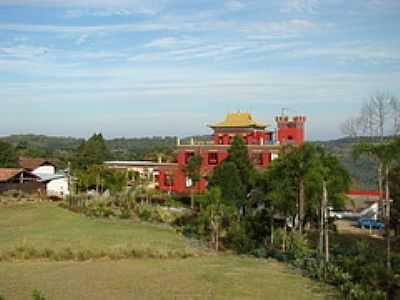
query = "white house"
{"x": 57, "y": 185}
{"x": 38, "y": 166}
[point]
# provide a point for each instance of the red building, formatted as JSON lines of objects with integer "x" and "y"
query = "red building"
{"x": 263, "y": 145}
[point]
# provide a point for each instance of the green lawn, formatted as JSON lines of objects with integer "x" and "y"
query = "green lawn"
{"x": 45, "y": 225}
{"x": 218, "y": 277}
{"x": 207, "y": 277}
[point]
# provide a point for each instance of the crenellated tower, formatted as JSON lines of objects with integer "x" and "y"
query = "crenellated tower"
{"x": 290, "y": 130}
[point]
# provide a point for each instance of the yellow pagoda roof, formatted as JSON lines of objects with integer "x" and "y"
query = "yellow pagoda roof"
{"x": 239, "y": 119}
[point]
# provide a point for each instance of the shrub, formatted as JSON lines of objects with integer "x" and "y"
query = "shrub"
{"x": 238, "y": 240}
{"x": 297, "y": 244}
{"x": 65, "y": 254}
{"x": 37, "y": 295}
{"x": 125, "y": 213}
{"x": 145, "y": 213}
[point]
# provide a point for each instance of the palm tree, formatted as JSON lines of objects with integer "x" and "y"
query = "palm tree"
{"x": 385, "y": 155}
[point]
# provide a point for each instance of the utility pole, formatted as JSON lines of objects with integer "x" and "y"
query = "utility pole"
{"x": 326, "y": 225}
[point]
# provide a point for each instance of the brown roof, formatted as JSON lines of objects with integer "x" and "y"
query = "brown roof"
{"x": 31, "y": 164}
{"x": 7, "y": 173}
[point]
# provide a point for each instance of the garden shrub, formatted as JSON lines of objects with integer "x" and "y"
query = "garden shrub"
{"x": 238, "y": 240}
{"x": 125, "y": 213}
{"x": 37, "y": 295}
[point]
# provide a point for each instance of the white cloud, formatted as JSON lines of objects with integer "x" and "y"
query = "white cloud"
{"x": 82, "y": 39}
{"x": 139, "y": 5}
{"x": 129, "y": 27}
{"x": 234, "y": 4}
{"x": 172, "y": 42}
{"x": 284, "y": 29}
{"x": 78, "y": 13}
{"x": 23, "y": 52}
{"x": 353, "y": 51}
{"x": 300, "y": 6}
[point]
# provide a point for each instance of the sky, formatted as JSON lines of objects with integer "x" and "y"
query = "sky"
{"x": 170, "y": 67}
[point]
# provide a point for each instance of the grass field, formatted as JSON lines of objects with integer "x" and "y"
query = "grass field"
{"x": 44, "y": 225}
{"x": 207, "y": 277}
{"x": 218, "y": 277}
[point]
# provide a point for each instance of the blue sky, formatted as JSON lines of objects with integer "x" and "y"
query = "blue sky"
{"x": 163, "y": 67}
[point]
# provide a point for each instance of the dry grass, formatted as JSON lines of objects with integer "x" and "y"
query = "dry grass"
{"x": 217, "y": 277}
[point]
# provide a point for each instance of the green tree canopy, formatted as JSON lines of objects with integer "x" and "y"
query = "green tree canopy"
{"x": 239, "y": 155}
{"x": 192, "y": 170}
{"x": 8, "y": 156}
{"x": 92, "y": 152}
{"x": 227, "y": 177}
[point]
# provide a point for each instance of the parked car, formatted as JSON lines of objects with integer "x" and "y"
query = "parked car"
{"x": 370, "y": 224}
{"x": 340, "y": 214}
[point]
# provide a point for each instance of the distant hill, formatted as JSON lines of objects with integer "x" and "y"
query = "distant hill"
{"x": 44, "y": 142}
{"x": 149, "y": 147}
{"x": 363, "y": 171}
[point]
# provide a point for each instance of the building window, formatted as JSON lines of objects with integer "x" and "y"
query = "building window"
{"x": 220, "y": 140}
{"x": 213, "y": 158}
{"x": 189, "y": 182}
{"x": 188, "y": 155}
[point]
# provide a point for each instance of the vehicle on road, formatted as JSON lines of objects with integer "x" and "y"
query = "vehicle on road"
{"x": 370, "y": 224}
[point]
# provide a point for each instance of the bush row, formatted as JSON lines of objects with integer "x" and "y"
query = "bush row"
{"x": 28, "y": 252}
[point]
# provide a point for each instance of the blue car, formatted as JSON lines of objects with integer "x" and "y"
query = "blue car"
{"x": 370, "y": 224}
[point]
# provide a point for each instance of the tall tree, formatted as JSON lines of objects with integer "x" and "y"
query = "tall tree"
{"x": 215, "y": 211}
{"x": 239, "y": 155}
{"x": 227, "y": 177}
{"x": 192, "y": 171}
{"x": 92, "y": 152}
{"x": 385, "y": 154}
{"x": 379, "y": 116}
{"x": 301, "y": 161}
{"x": 280, "y": 193}
{"x": 333, "y": 181}
{"x": 8, "y": 156}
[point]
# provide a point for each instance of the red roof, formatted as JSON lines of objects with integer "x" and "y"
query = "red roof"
{"x": 31, "y": 164}
{"x": 363, "y": 193}
{"x": 7, "y": 173}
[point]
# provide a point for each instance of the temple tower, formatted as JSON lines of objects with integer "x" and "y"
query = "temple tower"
{"x": 290, "y": 130}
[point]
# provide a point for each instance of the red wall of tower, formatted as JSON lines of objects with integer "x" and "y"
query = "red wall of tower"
{"x": 290, "y": 130}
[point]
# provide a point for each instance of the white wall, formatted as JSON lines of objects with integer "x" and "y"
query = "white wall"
{"x": 45, "y": 170}
{"x": 58, "y": 187}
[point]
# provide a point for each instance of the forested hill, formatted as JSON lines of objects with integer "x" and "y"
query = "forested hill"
{"x": 149, "y": 147}
{"x": 364, "y": 176}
